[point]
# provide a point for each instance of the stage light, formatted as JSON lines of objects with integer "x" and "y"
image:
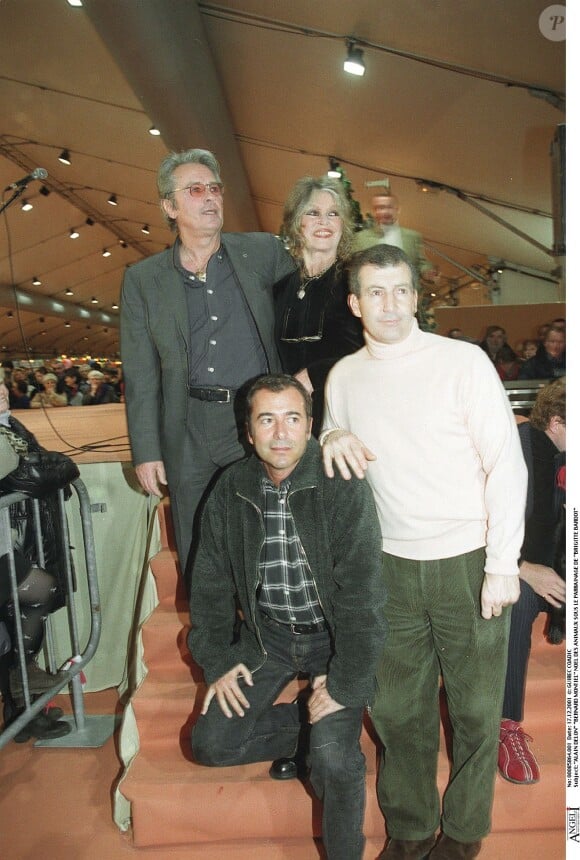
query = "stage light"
{"x": 145, "y": 229}
{"x": 354, "y": 63}
{"x": 333, "y": 170}
{"x": 74, "y": 234}
{"x": 64, "y": 157}
{"x": 26, "y": 206}
{"x": 36, "y": 281}
{"x": 112, "y": 201}
{"x": 106, "y": 252}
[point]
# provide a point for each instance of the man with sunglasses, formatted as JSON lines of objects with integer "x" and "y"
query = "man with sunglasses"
{"x": 196, "y": 324}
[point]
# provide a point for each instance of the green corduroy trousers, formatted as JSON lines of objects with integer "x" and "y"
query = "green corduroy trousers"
{"x": 436, "y": 630}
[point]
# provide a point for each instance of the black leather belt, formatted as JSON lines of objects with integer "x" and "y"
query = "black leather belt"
{"x": 300, "y": 629}
{"x": 212, "y": 393}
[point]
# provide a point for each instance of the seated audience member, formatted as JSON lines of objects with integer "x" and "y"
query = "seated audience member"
{"x": 457, "y": 334}
{"x": 544, "y": 445}
{"x": 72, "y": 389}
{"x": 549, "y": 362}
{"x": 507, "y": 364}
{"x": 38, "y": 595}
{"x": 493, "y": 340}
{"x": 49, "y": 396}
{"x": 19, "y": 374}
{"x": 19, "y": 398}
{"x": 37, "y": 379}
{"x": 529, "y": 349}
{"x": 308, "y": 578}
{"x": 111, "y": 375}
{"x": 99, "y": 391}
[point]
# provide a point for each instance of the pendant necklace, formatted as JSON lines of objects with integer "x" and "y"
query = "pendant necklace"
{"x": 305, "y": 282}
{"x": 200, "y": 274}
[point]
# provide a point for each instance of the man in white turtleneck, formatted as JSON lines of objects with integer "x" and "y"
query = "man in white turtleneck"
{"x": 426, "y": 419}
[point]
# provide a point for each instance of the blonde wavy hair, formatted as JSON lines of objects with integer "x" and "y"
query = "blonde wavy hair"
{"x": 298, "y": 202}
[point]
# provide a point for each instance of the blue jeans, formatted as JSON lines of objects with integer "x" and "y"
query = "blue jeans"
{"x": 269, "y": 731}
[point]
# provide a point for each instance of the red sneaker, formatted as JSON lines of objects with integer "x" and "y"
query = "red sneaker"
{"x": 516, "y": 761}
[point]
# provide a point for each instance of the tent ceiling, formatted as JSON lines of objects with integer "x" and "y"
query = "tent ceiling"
{"x": 262, "y": 85}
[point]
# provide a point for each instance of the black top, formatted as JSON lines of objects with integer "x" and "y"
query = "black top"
{"x": 224, "y": 344}
{"x": 315, "y": 331}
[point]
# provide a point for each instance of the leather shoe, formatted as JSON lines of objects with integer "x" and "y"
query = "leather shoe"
{"x": 407, "y": 849}
{"x": 42, "y": 728}
{"x": 284, "y": 768}
{"x": 449, "y": 849}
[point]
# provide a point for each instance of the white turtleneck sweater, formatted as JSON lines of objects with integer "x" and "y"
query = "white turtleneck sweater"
{"x": 449, "y": 475}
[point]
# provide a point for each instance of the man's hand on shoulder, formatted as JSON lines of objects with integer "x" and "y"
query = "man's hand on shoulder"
{"x": 228, "y": 692}
{"x": 497, "y": 592}
{"x": 347, "y": 452}
{"x": 151, "y": 476}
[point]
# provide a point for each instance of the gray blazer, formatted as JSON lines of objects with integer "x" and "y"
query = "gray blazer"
{"x": 155, "y": 334}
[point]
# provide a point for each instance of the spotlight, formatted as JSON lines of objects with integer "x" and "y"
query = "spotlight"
{"x": 115, "y": 307}
{"x": 75, "y": 3}
{"x": 10, "y": 314}
{"x": 36, "y": 281}
{"x": 89, "y": 222}
{"x": 64, "y": 157}
{"x": 74, "y": 234}
{"x": 67, "y": 324}
{"x": 44, "y": 191}
{"x": 26, "y": 206}
{"x": 113, "y": 200}
{"x": 354, "y": 63}
{"x": 145, "y": 229}
{"x": 122, "y": 243}
{"x": 106, "y": 252}
{"x": 68, "y": 292}
{"x": 94, "y": 301}
{"x": 40, "y": 319}
{"x": 154, "y": 131}
{"x": 333, "y": 170}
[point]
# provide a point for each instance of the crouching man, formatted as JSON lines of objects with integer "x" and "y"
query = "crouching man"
{"x": 300, "y": 554}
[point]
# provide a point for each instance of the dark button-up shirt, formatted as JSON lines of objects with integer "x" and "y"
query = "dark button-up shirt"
{"x": 224, "y": 344}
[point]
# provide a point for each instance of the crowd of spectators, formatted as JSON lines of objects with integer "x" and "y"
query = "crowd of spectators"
{"x": 59, "y": 382}
{"x": 540, "y": 357}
